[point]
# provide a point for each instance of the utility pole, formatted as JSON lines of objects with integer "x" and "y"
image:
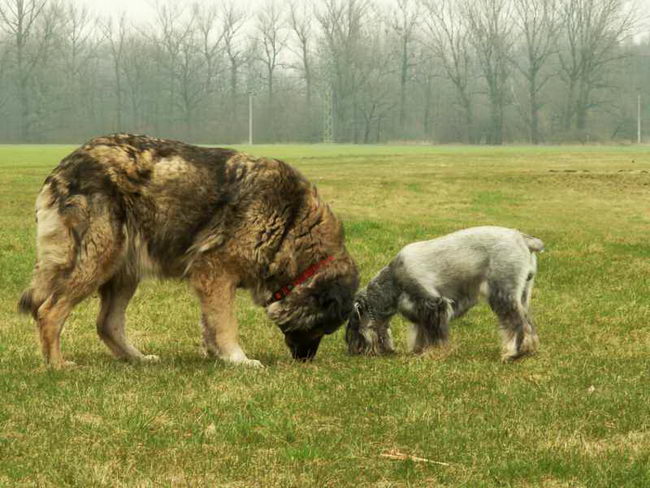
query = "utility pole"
{"x": 250, "y": 118}
{"x": 638, "y": 118}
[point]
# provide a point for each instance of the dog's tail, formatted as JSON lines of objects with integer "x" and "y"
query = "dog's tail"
{"x": 56, "y": 245}
{"x": 27, "y": 303}
{"x": 533, "y": 243}
{"x": 32, "y": 299}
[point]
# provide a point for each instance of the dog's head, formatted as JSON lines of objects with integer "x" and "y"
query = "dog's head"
{"x": 366, "y": 333}
{"x": 316, "y": 308}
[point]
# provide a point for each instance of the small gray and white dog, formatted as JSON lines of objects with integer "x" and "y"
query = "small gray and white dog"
{"x": 432, "y": 282}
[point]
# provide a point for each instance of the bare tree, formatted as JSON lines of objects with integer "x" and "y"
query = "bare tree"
{"x": 115, "y": 33}
{"x": 4, "y": 90}
{"x": 211, "y": 40}
{"x": 136, "y": 64}
{"x": 592, "y": 34}
{"x": 174, "y": 33}
{"x": 233, "y": 21}
{"x": 20, "y": 21}
{"x": 373, "y": 70}
{"x": 272, "y": 40}
{"x": 448, "y": 36}
{"x": 538, "y": 22}
{"x": 491, "y": 26}
{"x": 425, "y": 74}
{"x": 377, "y": 79}
{"x": 303, "y": 35}
{"x": 191, "y": 87}
{"x": 77, "y": 29}
{"x": 78, "y": 49}
{"x": 342, "y": 22}
{"x": 301, "y": 25}
{"x": 404, "y": 23}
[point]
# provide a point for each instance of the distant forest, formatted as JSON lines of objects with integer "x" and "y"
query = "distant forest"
{"x": 357, "y": 71}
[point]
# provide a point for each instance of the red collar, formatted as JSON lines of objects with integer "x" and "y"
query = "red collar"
{"x": 308, "y": 273}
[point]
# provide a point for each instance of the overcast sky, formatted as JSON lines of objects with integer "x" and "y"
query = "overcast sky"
{"x": 141, "y": 10}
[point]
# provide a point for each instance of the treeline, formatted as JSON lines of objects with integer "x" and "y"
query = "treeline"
{"x": 473, "y": 71}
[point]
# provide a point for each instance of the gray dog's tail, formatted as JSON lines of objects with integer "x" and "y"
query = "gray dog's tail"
{"x": 533, "y": 243}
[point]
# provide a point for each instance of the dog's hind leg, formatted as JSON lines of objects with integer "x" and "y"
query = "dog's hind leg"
{"x": 79, "y": 246}
{"x": 525, "y": 301}
{"x": 68, "y": 289}
{"x": 216, "y": 292}
{"x": 50, "y": 318}
{"x": 115, "y": 296}
{"x": 518, "y": 334}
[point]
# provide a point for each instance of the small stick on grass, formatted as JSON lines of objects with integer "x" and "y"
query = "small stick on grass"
{"x": 399, "y": 456}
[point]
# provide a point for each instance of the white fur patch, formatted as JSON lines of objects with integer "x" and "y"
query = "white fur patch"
{"x": 405, "y": 303}
{"x": 484, "y": 289}
{"x": 53, "y": 240}
{"x": 370, "y": 335}
{"x": 509, "y": 345}
{"x": 273, "y": 310}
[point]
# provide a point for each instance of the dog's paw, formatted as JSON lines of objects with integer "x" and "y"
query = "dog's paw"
{"x": 252, "y": 363}
{"x": 239, "y": 358}
{"x": 245, "y": 362}
{"x": 151, "y": 358}
{"x": 511, "y": 358}
{"x": 62, "y": 365}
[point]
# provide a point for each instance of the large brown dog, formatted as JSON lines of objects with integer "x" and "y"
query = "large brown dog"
{"x": 122, "y": 207}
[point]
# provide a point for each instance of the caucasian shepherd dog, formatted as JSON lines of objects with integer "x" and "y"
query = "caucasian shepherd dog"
{"x": 123, "y": 207}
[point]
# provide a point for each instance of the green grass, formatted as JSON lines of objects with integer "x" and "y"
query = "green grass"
{"x": 575, "y": 415}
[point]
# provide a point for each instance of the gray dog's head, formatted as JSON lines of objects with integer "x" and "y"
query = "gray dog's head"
{"x": 366, "y": 333}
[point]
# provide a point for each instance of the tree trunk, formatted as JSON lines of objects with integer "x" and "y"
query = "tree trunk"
{"x": 497, "y": 123}
{"x": 570, "y": 107}
{"x": 582, "y": 106}
{"x": 534, "y": 111}
{"x": 467, "y": 113}
{"x": 402, "y": 87}
{"x": 426, "y": 123}
{"x": 232, "y": 126}
{"x": 23, "y": 97}
{"x": 118, "y": 97}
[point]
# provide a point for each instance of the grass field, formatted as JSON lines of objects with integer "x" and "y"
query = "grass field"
{"x": 575, "y": 415}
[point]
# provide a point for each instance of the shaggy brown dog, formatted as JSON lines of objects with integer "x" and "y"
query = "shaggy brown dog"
{"x": 123, "y": 207}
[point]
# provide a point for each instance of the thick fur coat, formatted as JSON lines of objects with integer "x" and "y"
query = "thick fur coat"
{"x": 124, "y": 207}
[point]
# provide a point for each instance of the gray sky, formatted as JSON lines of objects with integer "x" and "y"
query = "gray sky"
{"x": 133, "y": 8}
{"x": 141, "y": 10}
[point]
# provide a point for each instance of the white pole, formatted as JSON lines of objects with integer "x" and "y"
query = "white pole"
{"x": 638, "y": 118}
{"x": 250, "y": 118}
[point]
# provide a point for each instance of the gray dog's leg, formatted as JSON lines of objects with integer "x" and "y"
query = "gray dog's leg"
{"x": 518, "y": 334}
{"x": 525, "y": 301}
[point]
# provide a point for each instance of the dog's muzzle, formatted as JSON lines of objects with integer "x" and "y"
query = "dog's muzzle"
{"x": 303, "y": 344}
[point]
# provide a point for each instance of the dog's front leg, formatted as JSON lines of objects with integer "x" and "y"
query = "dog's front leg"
{"x": 217, "y": 296}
